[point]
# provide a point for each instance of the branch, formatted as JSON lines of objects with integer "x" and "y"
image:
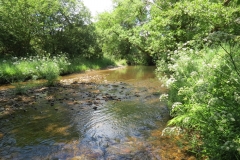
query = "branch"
{"x": 226, "y": 2}
{"x": 232, "y": 60}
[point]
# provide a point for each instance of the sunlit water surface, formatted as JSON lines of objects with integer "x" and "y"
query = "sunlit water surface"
{"x": 106, "y": 114}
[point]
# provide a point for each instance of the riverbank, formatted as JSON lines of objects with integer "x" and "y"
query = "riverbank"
{"x": 19, "y": 69}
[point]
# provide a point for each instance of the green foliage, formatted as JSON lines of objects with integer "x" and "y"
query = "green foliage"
{"x": 204, "y": 97}
{"x": 178, "y": 22}
{"x": 54, "y": 26}
{"x": 50, "y": 71}
{"x": 144, "y": 31}
{"x": 20, "y": 88}
{"x": 121, "y": 34}
{"x": 199, "y": 46}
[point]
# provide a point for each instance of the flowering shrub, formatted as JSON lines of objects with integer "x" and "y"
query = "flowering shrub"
{"x": 205, "y": 99}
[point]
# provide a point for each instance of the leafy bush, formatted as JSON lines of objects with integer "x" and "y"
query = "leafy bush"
{"x": 204, "y": 97}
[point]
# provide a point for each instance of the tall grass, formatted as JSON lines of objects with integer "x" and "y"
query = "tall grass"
{"x": 18, "y": 69}
{"x": 79, "y": 64}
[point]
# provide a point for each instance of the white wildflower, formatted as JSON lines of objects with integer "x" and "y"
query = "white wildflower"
{"x": 163, "y": 97}
{"x": 176, "y": 104}
{"x": 200, "y": 81}
{"x": 194, "y": 73}
{"x": 170, "y": 81}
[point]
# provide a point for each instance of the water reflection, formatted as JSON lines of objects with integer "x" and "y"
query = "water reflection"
{"x": 132, "y": 73}
{"x": 89, "y": 116}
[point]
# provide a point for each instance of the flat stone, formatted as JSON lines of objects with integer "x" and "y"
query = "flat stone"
{"x": 82, "y": 157}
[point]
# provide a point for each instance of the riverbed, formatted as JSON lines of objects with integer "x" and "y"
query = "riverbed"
{"x": 106, "y": 114}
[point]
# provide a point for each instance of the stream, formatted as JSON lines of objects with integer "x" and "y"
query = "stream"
{"x": 112, "y": 114}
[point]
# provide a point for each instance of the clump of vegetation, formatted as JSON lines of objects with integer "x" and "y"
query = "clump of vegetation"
{"x": 204, "y": 98}
{"x": 18, "y": 69}
{"x": 20, "y": 89}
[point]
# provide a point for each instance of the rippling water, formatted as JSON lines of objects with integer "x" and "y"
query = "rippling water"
{"x": 107, "y": 114}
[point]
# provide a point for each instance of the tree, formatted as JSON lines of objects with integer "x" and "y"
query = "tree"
{"x": 29, "y": 26}
{"x": 154, "y": 29}
{"x": 121, "y": 31}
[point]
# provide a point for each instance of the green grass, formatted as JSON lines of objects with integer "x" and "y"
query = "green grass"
{"x": 18, "y": 69}
{"x": 80, "y": 64}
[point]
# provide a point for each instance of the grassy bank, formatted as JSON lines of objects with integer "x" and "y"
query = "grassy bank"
{"x": 18, "y": 69}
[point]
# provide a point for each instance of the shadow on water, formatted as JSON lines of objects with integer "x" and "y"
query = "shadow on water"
{"x": 107, "y": 114}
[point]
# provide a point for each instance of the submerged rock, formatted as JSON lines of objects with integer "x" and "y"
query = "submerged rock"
{"x": 82, "y": 157}
{"x": 2, "y": 109}
{"x": 1, "y": 135}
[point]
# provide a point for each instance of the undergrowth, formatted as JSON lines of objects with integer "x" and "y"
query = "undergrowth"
{"x": 204, "y": 98}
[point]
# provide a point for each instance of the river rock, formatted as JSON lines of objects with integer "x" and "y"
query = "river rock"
{"x": 2, "y": 109}
{"x": 82, "y": 157}
{"x": 142, "y": 155}
{"x": 121, "y": 149}
{"x": 1, "y": 135}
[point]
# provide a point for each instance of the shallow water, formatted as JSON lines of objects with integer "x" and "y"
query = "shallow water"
{"x": 106, "y": 114}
